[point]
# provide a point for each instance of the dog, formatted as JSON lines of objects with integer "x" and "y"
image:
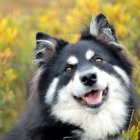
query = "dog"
{"x": 81, "y": 91}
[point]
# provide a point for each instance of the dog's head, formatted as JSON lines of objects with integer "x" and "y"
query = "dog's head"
{"x": 87, "y": 83}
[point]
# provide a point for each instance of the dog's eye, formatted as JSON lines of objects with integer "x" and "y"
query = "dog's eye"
{"x": 98, "y": 60}
{"x": 69, "y": 69}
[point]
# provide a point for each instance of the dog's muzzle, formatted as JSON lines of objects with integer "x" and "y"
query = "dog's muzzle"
{"x": 95, "y": 96}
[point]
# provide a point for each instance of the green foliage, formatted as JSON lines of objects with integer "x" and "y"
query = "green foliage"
{"x": 63, "y": 19}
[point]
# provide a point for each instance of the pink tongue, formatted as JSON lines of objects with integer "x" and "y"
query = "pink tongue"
{"x": 93, "y": 97}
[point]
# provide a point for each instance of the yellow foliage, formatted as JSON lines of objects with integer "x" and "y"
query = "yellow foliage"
{"x": 5, "y": 55}
{"x": 132, "y": 134}
{"x": 7, "y": 34}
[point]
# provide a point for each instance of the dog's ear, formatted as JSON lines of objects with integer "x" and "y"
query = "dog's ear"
{"x": 104, "y": 31}
{"x": 46, "y": 47}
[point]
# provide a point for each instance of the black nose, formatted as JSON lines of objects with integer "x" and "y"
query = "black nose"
{"x": 88, "y": 79}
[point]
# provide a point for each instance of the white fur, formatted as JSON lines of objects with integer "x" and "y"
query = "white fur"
{"x": 122, "y": 73}
{"x": 51, "y": 91}
{"x": 37, "y": 74}
{"x": 116, "y": 44}
{"x": 72, "y": 60}
{"x": 39, "y": 50}
{"x": 97, "y": 123}
{"x": 37, "y": 61}
{"x": 102, "y": 78}
{"x": 89, "y": 54}
{"x": 93, "y": 27}
{"x": 51, "y": 44}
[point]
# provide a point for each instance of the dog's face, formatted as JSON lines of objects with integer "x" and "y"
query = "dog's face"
{"x": 87, "y": 84}
{"x": 87, "y": 73}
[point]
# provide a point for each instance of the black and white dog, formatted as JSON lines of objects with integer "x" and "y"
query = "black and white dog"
{"x": 82, "y": 90}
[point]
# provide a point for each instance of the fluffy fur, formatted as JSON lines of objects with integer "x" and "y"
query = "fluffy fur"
{"x": 82, "y": 91}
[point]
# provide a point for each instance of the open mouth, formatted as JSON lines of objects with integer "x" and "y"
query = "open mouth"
{"x": 94, "y": 98}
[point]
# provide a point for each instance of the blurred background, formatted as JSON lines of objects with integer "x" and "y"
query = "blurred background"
{"x": 20, "y": 20}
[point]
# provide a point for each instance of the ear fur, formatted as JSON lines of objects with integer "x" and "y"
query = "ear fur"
{"x": 101, "y": 29}
{"x": 46, "y": 47}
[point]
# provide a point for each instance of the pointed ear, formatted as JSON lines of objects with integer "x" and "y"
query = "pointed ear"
{"x": 104, "y": 31}
{"x": 46, "y": 47}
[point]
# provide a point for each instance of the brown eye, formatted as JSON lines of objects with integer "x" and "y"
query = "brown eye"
{"x": 99, "y": 60}
{"x": 69, "y": 69}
